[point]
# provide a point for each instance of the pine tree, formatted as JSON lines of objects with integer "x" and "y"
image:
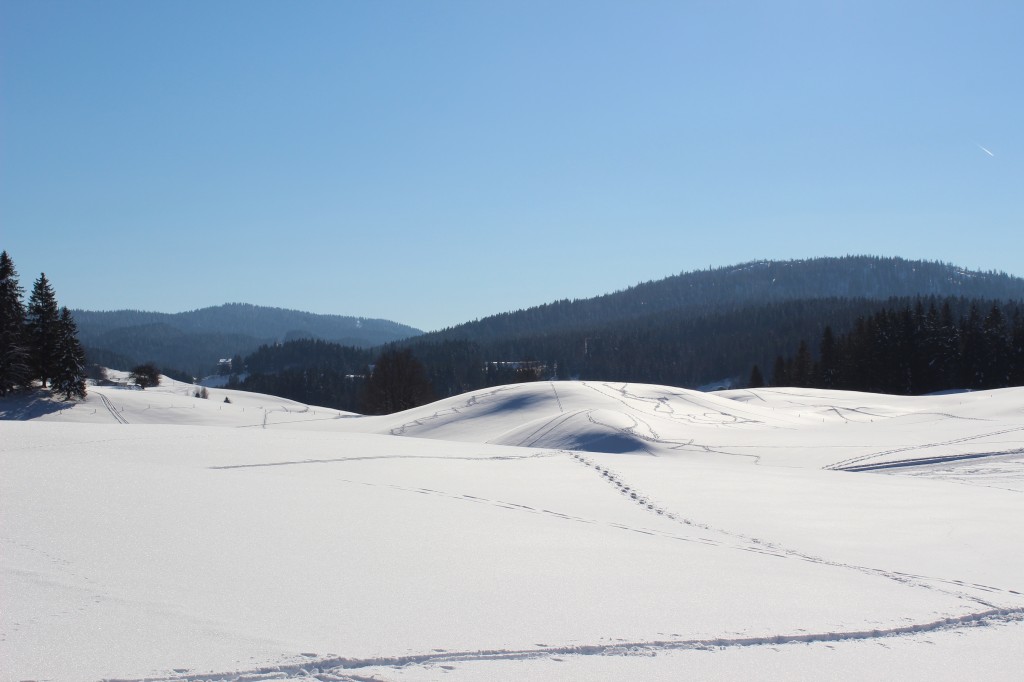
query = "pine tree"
{"x": 1017, "y": 350}
{"x": 756, "y": 378}
{"x": 42, "y": 322}
{"x": 829, "y": 363}
{"x": 803, "y": 367}
{"x": 14, "y": 357}
{"x": 780, "y": 372}
{"x": 69, "y": 370}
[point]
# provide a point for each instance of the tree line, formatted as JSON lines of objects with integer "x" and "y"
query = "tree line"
{"x": 674, "y": 348}
{"x": 919, "y": 347}
{"x": 38, "y": 341}
{"x": 903, "y": 345}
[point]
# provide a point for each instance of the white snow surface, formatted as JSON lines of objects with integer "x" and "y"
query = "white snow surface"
{"x": 570, "y": 530}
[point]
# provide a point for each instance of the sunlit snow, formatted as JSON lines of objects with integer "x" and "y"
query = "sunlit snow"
{"x": 569, "y": 530}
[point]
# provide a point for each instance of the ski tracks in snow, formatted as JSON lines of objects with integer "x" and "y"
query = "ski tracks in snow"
{"x": 113, "y": 410}
{"x": 333, "y": 668}
{"x": 854, "y": 463}
{"x": 339, "y": 669}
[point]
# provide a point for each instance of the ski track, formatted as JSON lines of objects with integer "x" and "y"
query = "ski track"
{"x": 924, "y": 461}
{"x": 400, "y": 430}
{"x": 957, "y": 589}
{"x": 336, "y": 460}
{"x": 113, "y": 410}
{"x": 335, "y": 668}
{"x": 847, "y": 464}
{"x": 547, "y": 427}
{"x": 661, "y": 406}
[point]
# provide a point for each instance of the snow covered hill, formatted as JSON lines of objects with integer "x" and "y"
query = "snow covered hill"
{"x": 571, "y": 530}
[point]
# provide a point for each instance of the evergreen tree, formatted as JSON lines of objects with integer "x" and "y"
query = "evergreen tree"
{"x": 828, "y": 369}
{"x": 803, "y": 367}
{"x": 996, "y": 349}
{"x": 780, "y": 372}
{"x": 14, "y": 357}
{"x": 42, "y": 327}
{"x": 398, "y": 382}
{"x": 1017, "y": 350}
{"x": 756, "y": 379}
{"x": 69, "y": 370}
{"x": 972, "y": 349}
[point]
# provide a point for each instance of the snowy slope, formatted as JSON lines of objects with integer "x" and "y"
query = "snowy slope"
{"x": 541, "y": 531}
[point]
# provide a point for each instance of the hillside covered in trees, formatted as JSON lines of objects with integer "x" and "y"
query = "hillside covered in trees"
{"x": 695, "y": 344}
{"x": 194, "y": 341}
{"x": 721, "y": 290}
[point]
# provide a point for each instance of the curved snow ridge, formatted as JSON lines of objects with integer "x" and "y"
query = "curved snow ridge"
{"x": 333, "y": 668}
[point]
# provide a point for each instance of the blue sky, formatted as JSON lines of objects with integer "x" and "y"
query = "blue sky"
{"x": 435, "y": 162}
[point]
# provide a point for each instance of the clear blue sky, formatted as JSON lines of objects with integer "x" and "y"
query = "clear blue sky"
{"x": 433, "y": 161}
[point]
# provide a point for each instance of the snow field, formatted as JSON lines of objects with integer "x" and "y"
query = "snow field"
{"x": 710, "y": 536}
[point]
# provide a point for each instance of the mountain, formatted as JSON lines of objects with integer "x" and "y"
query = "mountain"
{"x": 694, "y": 329}
{"x": 736, "y": 287}
{"x": 194, "y": 341}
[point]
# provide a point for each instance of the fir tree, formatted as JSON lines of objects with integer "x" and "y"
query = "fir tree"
{"x": 42, "y": 322}
{"x": 829, "y": 362}
{"x": 14, "y": 356}
{"x": 756, "y": 378}
{"x": 780, "y": 372}
{"x": 803, "y": 367}
{"x": 69, "y": 372}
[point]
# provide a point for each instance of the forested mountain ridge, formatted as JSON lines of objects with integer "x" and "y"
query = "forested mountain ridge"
{"x": 672, "y": 348}
{"x": 252, "y": 320}
{"x": 734, "y": 287}
{"x": 685, "y": 330}
{"x": 193, "y": 341}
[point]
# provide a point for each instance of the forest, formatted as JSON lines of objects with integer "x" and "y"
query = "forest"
{"x": 904, "y": 345}
{"x": 914, "y": 348}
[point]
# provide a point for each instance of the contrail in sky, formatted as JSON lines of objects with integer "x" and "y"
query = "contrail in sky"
{"x": 985, "y": 150}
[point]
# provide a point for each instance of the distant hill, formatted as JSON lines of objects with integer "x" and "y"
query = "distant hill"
{"x": 733, "y": 288}
{"x": 194, "y": 341}
{"x": 694, "y": 329}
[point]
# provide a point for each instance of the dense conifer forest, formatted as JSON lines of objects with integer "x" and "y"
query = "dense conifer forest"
{"x": 959, "y": 346}
{"x": 38, "y": 341}
{"x": 720, "y": 290}
{"x": 914, "y": 348}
